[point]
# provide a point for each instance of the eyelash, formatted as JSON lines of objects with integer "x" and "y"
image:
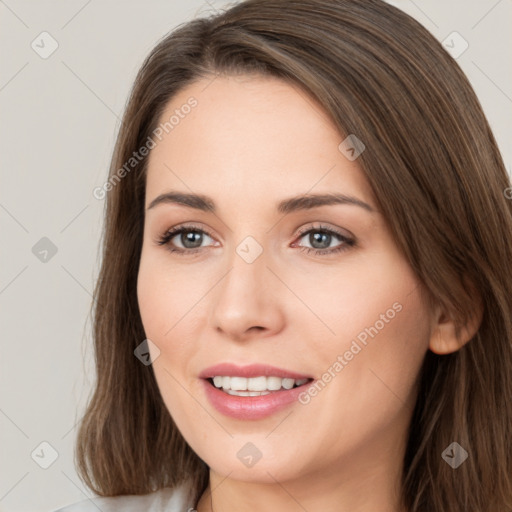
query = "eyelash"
{"x": 173, "y": 232}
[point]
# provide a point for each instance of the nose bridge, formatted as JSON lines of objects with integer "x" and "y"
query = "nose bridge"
{"x": 243, "y": 299}
{"x": 248, "y": 269}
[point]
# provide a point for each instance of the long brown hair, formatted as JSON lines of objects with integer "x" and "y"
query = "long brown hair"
{"x": 436, "y": 170}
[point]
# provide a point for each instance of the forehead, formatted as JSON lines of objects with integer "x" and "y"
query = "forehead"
{"x": 256, "y": 136}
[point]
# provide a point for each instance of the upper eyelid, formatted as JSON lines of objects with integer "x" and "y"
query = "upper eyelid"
{"x": 301, "y": 231}
{"x": 336, "y": 231}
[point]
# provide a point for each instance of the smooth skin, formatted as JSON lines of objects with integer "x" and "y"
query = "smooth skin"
{"x": 250, "y": 143}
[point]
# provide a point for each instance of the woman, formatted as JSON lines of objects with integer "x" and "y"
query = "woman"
{"x": 305, "y": 294}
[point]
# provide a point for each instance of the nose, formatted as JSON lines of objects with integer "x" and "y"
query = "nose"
{"x": 246, "y": 300}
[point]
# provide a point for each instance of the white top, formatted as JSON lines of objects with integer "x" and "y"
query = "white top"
{"x": 163, "y": 500}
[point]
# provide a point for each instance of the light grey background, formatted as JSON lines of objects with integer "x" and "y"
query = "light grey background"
{"x": 59, "y": 118}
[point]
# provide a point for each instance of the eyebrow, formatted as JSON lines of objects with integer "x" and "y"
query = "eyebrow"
{"x": 292, "y": 204}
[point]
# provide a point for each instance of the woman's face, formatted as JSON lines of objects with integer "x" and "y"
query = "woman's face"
{"x": 303, "y": 290}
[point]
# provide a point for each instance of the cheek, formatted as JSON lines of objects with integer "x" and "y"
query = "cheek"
{"x": 166, "y": 297}
{"x": 372, "y": 296}
{"x": 367, "y": 387}
{"x": 170, "y": 310}
{"x": 379, "y": 332}
{"x": 163, "y": 313}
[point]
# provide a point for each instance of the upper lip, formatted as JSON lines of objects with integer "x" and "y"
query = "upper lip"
{"x": 252, "y": 370}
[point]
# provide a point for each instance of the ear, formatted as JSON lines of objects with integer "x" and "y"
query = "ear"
{"x": 445, "y": 338}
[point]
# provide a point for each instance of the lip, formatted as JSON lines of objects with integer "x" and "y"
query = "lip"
{"x": 251, "y": 407}
{"x": 252, "y": 370}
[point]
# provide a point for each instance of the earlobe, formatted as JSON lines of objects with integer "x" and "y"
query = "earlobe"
{"x": 445, "y": 338}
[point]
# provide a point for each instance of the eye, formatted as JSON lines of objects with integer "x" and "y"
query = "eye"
{"x": 190, "y": 238}
{"x": 321, "y": 239}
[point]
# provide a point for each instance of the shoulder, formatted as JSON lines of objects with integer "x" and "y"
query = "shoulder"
{"x": 163, "y": 500}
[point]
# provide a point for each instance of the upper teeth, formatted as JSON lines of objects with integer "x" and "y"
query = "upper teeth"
{"x": 255, "y": 383}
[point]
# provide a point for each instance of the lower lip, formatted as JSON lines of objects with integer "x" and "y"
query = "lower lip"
{"x": 251, "y": 407}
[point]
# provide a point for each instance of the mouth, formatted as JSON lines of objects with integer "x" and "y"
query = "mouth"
{"x": 255, "y": 386}
{"x": 252, "y": 392}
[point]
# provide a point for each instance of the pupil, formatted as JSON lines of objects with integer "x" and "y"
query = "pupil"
{"x": 191, "y": 236}
{"x": 315, "y": 237}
